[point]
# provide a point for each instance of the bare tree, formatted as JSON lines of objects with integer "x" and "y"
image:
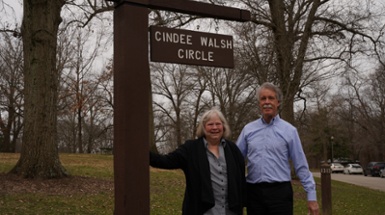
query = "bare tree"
{"x": 305, "y": 39}
{"x": 11, "y": 87}
{"x": 101, "y": 114}
{"x": 350, "y": 132}
{"x": 77, "y": 78}
{"x": 173, "y": 84}
{"x": 39, "y": 156}
{"x": 317, "y": 124}
{"x": 365, "y": 95}
{"x": 41, "y": 19}
{"x": 187, "y": 92}
{"x": 233, "y": 91}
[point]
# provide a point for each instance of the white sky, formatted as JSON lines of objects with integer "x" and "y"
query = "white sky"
{"x": 11, "y": 14}
{"x": 11, "y": 10}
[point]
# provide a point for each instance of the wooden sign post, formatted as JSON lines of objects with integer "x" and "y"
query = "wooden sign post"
{"x": 132, "y": 90}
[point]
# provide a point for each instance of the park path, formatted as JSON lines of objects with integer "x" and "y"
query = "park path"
{"x": 375, "y": 183}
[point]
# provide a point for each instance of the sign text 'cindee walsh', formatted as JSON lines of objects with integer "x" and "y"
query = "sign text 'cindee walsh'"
{"x": 191, "y": 47}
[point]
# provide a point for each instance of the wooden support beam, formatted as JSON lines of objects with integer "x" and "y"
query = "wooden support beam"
{"x": 194, "y": 8}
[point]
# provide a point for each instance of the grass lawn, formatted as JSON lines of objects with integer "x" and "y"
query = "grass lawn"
{"x": 90, "y": 191}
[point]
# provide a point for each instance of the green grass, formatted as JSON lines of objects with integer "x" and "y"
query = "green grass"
{"x": 166, "y": 189}
{"x": 90, "y": 165}
{"x": 42, "y": 204}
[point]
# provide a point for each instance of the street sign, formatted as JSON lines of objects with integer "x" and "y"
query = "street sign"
{"x": 191, "y": 47}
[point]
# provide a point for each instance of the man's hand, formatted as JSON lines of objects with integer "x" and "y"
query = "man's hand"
{"x": 313, "y": 208}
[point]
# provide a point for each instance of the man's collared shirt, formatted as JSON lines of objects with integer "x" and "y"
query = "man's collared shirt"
{"x": 269, "y": 149}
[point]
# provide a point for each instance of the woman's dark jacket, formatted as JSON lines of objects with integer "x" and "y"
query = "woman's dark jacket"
{"x": 192, "y": 159}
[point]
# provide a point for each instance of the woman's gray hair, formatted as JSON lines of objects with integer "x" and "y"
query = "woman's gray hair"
{"x": 206, "y": 117}
{"x": 270, "y": 86}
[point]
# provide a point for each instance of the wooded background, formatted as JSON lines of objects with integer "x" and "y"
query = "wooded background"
{"x": 327, "y": 56}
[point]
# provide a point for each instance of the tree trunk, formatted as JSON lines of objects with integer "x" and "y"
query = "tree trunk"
{"x": 287, "y": 110}
{"x": 5, "y": 142}
{"x": 290, "y": 60}
{"x": 39, "y": 156}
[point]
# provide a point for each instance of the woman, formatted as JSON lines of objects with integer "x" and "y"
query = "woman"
{"x": 214, "y": 169}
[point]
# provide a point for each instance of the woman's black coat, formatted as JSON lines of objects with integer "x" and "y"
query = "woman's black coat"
{"x": 192, "y": 159}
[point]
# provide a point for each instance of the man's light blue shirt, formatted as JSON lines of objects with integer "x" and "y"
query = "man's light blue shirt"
{"x": 269, "y": 148}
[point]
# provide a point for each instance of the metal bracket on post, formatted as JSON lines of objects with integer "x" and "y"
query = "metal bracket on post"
{"x": 116, "y": 2}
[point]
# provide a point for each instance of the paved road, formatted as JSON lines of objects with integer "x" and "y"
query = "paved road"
{"x": 375, "y": 183}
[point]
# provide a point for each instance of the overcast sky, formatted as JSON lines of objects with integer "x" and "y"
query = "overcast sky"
{"x": 11, "y": 10}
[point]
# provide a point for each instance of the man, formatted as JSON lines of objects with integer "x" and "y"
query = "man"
{"x": 269, "y": 144}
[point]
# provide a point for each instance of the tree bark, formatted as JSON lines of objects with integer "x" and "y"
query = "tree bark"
{"x": 39, "y": 156}
{"x": 290, "y": 60}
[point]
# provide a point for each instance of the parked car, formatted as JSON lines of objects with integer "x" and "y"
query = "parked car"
{"x": 336, "y": 167}
{"x": 353, "y": 169}
{"x": 373, "y": 168}
{"x": 382, "y": 173}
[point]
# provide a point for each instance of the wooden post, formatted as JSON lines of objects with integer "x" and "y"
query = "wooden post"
{"x": 326, "y": 189}
{"x": 131, "y": 108}
{"x": 132, "y": 90}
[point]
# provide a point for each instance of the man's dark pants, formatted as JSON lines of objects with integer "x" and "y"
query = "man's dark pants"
{"x": 270, "y": 198}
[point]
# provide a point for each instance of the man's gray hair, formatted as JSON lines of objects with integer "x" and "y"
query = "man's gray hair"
{"x": 270, "y": 86}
